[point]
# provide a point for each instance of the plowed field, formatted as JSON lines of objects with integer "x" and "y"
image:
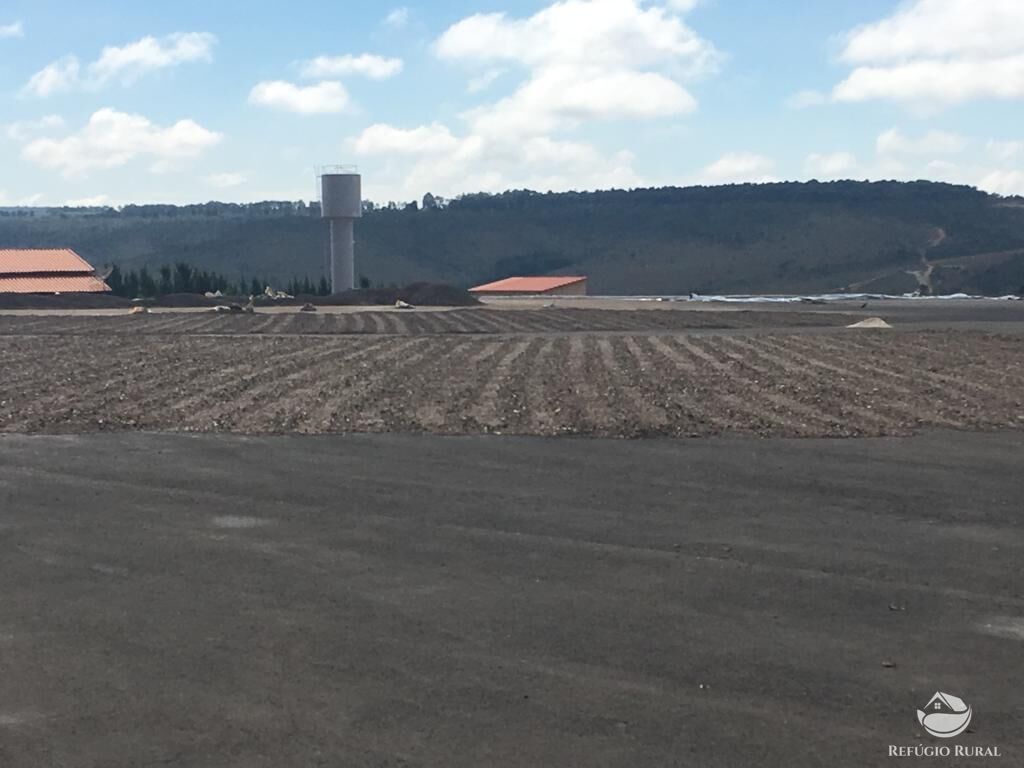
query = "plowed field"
{"x": 413, "y": 322}
{"x": 828, "y": 384}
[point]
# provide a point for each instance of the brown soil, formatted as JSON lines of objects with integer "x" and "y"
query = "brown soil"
{"x": 417, "y": 294}
{"x": 412, "y": 322}
{"x": 66, "y": 301}
{"x": 87, "y": 374}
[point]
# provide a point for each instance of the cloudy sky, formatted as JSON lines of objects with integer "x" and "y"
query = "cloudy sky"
{"x": 111, "y": 101}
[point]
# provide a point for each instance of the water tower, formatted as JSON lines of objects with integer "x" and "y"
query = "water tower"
{"x": 341, "y": 203}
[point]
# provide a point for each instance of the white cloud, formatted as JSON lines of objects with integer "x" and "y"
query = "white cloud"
{"x": 484, "y": 80}
{"x": 96, "y": 201}
{"x": 368, "y": 65}
{"x": 327, "y": 97}
{"x": 8, "y": 202}
{"x": 605, "y": 33}
{"x": 111, "y": 139}
{"x": 805, "y": 99}
{"x": 226, "y": 180}
{"x": 893, "y": 142}
{"x": 558, "y": 98}
{"x": 130, "y": 62}
{"x": 15, "y": 29}
{"x": 397, "y": 18}
{"x": 739, "y": 167}
{"x": 1003, "y": 182}
{"x": 829, "y": 166}
{"x": 25, "y": 130}
{"x": 939, "y": 28}
{"x": 935, "y": 53}
{"x": 586, "y": 60}
{"x": 124, "y": 64}
{"x": 383, "y": 139}
{"x": 445, "y": 164}
{"x": 942, "y": 170}
{"x": 1005, "y": 150}
{"x": 931, "y": 84}
{"x": 60, "y": 75}
{"x": 578, "y": 62}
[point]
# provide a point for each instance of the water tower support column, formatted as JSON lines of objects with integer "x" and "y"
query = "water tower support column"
{"x": 343, "y": 255}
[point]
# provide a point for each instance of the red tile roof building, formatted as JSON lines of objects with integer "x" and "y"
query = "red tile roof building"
{"x": 47, "y": 271}
{"x": 520, "y": 286}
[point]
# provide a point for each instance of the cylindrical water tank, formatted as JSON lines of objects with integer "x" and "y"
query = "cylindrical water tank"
{"x": 341, "y": 196}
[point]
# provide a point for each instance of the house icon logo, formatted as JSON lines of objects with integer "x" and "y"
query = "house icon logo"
{"x": 945, "y": 716}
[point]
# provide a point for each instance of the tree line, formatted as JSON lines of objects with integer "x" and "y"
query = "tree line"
{"x": 776, "y": 238}
{"x": 186, "y": 278}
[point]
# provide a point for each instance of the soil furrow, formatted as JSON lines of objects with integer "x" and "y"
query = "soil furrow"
{"x": 219, "y": 403}
{"x": 313, "y": 395}
{"x": 843, "y": 397}
{"x": 339, "y": 394}
{"x": 483, "y": 321}
{"x": 784, "y": 395}
{"x": 444, "y": 382}
{"x": 375, "y": 320}
{"x": 588, "y": 409}
{"x": 744, "y": 400}
{"x": 219, "y": 375}
{"x": 910, "y": 372}
{"x": 488, "y": 412}
{"x": 632, "y": 394}
{"x": 306, "y": 375}
{"x": 681, "y": 389}
{"x": 381, "y": 391}
{"x": 893, "y": 397}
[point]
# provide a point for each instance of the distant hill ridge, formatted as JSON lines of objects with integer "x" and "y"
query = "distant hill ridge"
{"x": 786, "y": 237}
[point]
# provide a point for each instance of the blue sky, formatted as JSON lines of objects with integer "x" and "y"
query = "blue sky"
{"x": 117, "y": 102}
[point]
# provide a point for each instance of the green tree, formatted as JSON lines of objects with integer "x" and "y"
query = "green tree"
{"x": 166, "y": 280}
{"x": 147, "y": 285}
{"x": 116, "y": 281}
{"x": 131, "y": 285}
{"x": 183, "y": 277}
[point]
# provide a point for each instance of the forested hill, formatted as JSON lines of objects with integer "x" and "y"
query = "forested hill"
{"x": 790, "y": 237}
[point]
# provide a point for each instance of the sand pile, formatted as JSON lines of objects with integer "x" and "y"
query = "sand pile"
{"x": 871, "y": 322}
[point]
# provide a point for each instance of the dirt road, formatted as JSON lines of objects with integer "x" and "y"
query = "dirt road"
{"x": 383, "y": 600}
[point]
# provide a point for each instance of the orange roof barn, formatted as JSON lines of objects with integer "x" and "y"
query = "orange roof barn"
{"x": 564, "y": 285}
{"x": 37, "y": 270}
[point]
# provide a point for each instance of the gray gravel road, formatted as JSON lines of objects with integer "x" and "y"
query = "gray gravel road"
{"x": 386, "y": 600}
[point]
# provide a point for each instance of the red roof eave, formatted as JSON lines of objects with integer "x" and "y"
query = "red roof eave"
{"x": 527, "y": 284}
{"x": 55, "y": 284}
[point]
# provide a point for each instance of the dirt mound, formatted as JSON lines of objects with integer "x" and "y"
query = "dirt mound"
{"x": 417, "y": 294}
{"x": 188, "y": 300}
{"x": 62, "y": 301}
{"x": 438, "y": 295}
